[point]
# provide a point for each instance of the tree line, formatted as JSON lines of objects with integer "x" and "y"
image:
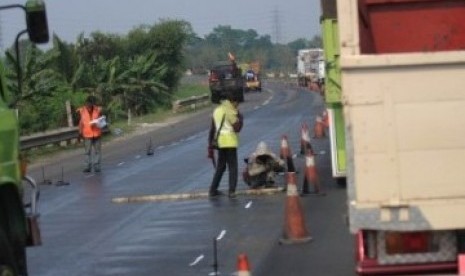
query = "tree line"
{"x": 138, "y": 72}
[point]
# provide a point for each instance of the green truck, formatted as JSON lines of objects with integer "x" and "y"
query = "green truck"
{"x": 18, "y": 226}
{"x": 332, "y": 90}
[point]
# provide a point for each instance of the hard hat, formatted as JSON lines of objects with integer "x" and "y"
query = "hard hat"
{"x": 262, "y": 148}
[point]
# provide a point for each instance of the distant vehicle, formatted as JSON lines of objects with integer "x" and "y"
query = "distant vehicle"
{"x": 310, "y": 66}
{"x": 252, "y": 76}
{"x": 225, "y": 78}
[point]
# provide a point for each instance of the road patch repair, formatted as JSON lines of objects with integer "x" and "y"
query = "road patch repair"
{"x": 192, "y": 195}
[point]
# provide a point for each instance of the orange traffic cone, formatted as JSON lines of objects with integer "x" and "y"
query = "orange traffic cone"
{"x": 295, "y": 230}
{"x": 285, "y": 153}
{"x": 311, "y": 177}
{"x": 319, "y": 128}
{"x": 243, "y": 267}
{"x": 325, "y": 119}
{"x": 305, "y": 140}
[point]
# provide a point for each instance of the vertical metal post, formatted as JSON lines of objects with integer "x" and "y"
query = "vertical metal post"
{"x": 19, "y": 73}
{"x": 68, "y": 113}
{"x": 215, "y": 257}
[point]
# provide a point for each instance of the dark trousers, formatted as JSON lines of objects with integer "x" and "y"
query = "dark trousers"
{"x": 226, "y": 156}
{"x": 93, "y": 158}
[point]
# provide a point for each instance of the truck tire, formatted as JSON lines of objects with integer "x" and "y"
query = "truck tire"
{"x": 341, "y": 182}
{"x": 240, "y": 96}
{"x": 7, "y": 263}
{"x": 215, "y": 97}
{"x": 12, "y": 223}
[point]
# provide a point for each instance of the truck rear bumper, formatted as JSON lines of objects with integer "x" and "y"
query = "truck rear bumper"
{"x": 371, "y": 267}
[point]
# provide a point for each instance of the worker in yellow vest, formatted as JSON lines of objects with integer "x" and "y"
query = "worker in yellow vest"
{"x": 226, "y": 124}
{"x": 91, "y": 132}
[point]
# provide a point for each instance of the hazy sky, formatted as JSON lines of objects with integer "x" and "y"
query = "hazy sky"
{"x": 283, "y": 20}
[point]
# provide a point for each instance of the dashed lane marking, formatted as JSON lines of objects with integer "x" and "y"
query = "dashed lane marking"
{"x": 221, "y": 235}
{"x": 197, "y": 260}
{"x": 248, "y": 205}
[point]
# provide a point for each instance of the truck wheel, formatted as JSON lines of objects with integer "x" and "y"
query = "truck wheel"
{"x": 240, "y": 97}
{"x": 341, "y": 182}
{"x": 215, "y": 98}
{"x": 7, "y": 264}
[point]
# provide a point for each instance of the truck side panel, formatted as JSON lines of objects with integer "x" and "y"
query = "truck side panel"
{"x": 405, "y": 113}
{"x": 332, "y": 90}
{"x": 411, "y": 25}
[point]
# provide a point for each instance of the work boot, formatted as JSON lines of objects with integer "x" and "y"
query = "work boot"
{"x": 97, "y": 169}
{"x": 232, "y": 195}
{"x": 215, "y": 193}
{"x": 86, "y": 170}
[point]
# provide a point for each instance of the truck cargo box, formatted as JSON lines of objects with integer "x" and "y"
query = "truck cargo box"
{"x": 403, "y": 68}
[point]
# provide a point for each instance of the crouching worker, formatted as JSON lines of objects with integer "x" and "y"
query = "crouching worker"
{"x": 262, "y": 166}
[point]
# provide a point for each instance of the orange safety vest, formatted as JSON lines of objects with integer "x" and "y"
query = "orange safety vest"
{"x": 87, "y": 129}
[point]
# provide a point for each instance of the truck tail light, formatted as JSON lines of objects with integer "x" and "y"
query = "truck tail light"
{"x": 213, "y": 76}
{"x": 410, "y": 242}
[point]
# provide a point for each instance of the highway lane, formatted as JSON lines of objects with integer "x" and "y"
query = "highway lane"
{"x": 85, "y": 233}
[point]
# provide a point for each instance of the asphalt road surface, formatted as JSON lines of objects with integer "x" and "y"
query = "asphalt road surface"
{"x": 86, "y": 232}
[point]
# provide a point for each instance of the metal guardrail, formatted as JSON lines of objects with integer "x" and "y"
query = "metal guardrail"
{"x": 191, "y": 103}
{"x": 49, "y": 137}
{"x": 68, "y": 134}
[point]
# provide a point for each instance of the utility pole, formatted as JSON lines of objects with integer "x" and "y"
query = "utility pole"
{"x": 277, "y": 26}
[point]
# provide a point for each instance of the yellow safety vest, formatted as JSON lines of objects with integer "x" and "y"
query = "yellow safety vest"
{"x": 227, "y": 137}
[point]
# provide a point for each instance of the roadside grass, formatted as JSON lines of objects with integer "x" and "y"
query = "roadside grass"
{"x": 160, "y": 115}
{"x": 123, "y": 126}
{"x": 189, "y": 90}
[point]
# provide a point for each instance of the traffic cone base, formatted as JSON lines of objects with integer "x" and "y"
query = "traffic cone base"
{"x": 295, "y": 241}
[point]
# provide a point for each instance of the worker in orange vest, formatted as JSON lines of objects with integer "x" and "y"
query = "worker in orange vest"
{"x": 90, "y": 130}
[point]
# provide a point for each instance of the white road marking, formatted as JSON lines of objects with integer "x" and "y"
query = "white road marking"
{"x": 197, "y": 260}
{"x": 221, "y": 235}
{"x": 266, "y": 102}
{"x": 322, "y": 152}
{"x": 120, "y": 163}
{"x": 137, "y": 156}
{"x": 247, "y": 206}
